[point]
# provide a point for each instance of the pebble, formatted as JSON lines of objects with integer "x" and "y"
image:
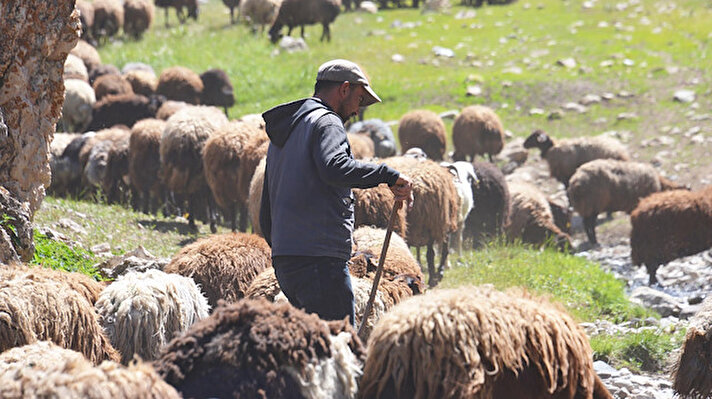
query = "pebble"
{"x": 684, "y": 96}
{"x": 567, "y": 62}
{"x": 473, "y": 91}
{"x": 71, "y": 225}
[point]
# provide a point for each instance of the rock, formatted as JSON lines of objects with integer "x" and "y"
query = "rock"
{"x": 575, "y": 107}
{"x": 397, "y": 58}
{"x": 514, "y": 70}
{"x": 292, "y": 45}
{"x": 138, "y": 260}
{"x": 443, "y": 52}
{"x": 368, "y": 7}
{"x": 589, "y": 99}
{"x": 15, "y": 229}
{"x": 473, "y": 91}
{"x": 567, "y": 63}
{"x": 536, "y": 111}
{"x": 628, "y": 62}
{"x": 555, "y": 115}
{"x": 684, "y": 96}
{"x": 55, "y": 235}
{"x": 627, "y": 116}
{"x": 466, "y": 14}
{"x": 449, "y": 115}
{"x": 661, "y": 302}
{"x": 514, "y": 151}
{"x": 101, "y": 249}
{"x": 71, "y": 225}
{"x": 604, "y": 370}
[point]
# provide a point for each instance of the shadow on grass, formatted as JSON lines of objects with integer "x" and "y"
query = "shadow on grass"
{"x": 167, "y": 226}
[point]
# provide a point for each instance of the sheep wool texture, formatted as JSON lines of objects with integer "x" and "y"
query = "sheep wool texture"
{"x": 108, "y": 18}
{"x": 74, "y": 68}
{"x": 361, "y": 145}
{"x": 101, "y": 70}
{"x": 255, "y": 196}
{"x": 476, "y": 342}
{"x": 477, "y": 131}
{"x": 84, "y": 285}
{"x": 87, "y": 53}
{"x": 32, "y": 311}
{"x": 79, "y": 100}
{"x": 144, "y": 154}
{"x": 260, "y": 12}
{"x": 111, "y": 84}
{"x": 398, "y": 262}
{"x": 142, "y": 82}
{"x": 142, "y": 312}
{"x": 423, "y": 129}
{"x": 138, "y": 17}
{"x": 121, "y": 109}
{"x": 168, "y": 108}
{"x": 257, "y": 349}
{"x": 223, "y": 265}
{"x": 180, "y": 84}
{"x": 691, "y": 375}
{"x": 217, "y": 89}
{"x": 491, "y": 204}
{"x": 265, "y": 285}
{"x": 372, "y": 238}
{"x": 372, "y": 207}
{"x": 45, "y": 370}
{"x": 531, "y": 219}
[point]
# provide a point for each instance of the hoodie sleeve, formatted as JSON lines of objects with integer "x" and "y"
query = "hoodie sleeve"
{"x": 332, "y": 156}
{"x": 266, "y": 213}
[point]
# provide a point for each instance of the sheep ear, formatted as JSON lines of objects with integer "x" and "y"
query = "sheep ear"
{"x": 542, "y": 137}
{"x": 450, "y": 167}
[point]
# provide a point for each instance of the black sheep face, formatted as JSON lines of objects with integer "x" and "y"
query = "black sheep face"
{"x": 538, "y": 139}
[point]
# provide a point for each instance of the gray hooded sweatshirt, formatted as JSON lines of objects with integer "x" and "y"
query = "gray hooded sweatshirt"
{"x": 307, "y": 205}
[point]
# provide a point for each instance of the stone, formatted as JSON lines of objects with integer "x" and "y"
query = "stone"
{"x": 589, "y": 99}
{"x": 604, "y": 370}
{"x": 397, "y": 58}
{"x": 293, "y": 45}
{"x": 663, "y": 303}
{"x": 567, "y": 62}
{"x": 576, "y": 107}
{"x": 15, "y": 229}
{"x": 536, "y": 111}
{"x": 71, "y": 225}
{"x": 626, "y": 116}
{"x": 368, "y": 7}
{"x": 473, "y": 91}
{"x": 514, "y": 151}
{"x": 449, "y": 115}
{"x": 138, "y": 260}
{"x": 684, "y": 96}
{"x": 514, "y": 70}
{"x": 37, "y": 36}
{"x": 100, "y": 249}
{"x": 443, "y": 52}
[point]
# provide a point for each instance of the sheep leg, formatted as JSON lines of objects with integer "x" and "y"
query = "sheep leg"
{"x": 191, "y": 214}
{"x": 302, "y": 32}
{"x": 135, "y": 199}
{"x": 430, "y": 257}
{"x": 444, "y": 251}
{"x": 243, "y": 218}
{"x": 417, "y": 255}
{"x": 589, "y": 224}
{"x": 212, "y": 214}
{"x": 166, "y": 18}
{"x": 652, "y": 271}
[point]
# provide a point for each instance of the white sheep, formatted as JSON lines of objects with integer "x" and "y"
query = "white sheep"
{"x": 260, "y": 12}
{"x": 464, "y": 177}
{"x": 78, "y": 103}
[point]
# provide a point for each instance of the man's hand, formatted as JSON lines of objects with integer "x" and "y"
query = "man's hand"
{"x": 403, "y": 190}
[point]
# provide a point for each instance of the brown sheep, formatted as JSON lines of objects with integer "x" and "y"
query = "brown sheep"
{"x": 691, "y": 374}
{"x": 255, "y": 196}
{"x": 265, "y": 285}
{"x": 115, "y": 182}
{"x": 86, "y": 17}
{"x": 477, "y": 131}
{"x": 293, "y": 13}
{"x": 372, "y": 207}
{"x": 138, "y": 16}
{"x": 170, "y": 107}
{"x": 254, "y": 348}
{"x": 361, "y": 145}
{"x": 608, "y": 185}
{"x": 86, "y": 286}
{"x": 670, "y": 225}
{"x": 123, "y": 109}
{"x": 142, "y": 82}
{"x": 180, "y": 84}
{"x": 232, "y": 5}
{"x": 217, "y": 89}
{"x": 435, "y": 209}
{"x": 111, "y": 84}
{"x": 145, "y": 162}
{"x": 423, "y": 129}
{"x": 87, "y": 53}
{"x": 108, "y": 19}
{"x": 74, "y": 68}
{"x": 114, "y": 135}
{"x": 255, "y": 150}
{"x": 223, "y": 265}
{"x": 101, "y": 70}
{"x": 476, "y": 342}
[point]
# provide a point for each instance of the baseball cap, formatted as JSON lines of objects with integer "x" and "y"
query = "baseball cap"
{"x": 346, "y": 71}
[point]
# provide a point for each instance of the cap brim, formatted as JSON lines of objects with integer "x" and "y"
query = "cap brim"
{"x": 371, "y": 98}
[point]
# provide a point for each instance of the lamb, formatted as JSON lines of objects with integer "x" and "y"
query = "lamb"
{"x": 180, "y": 84}
{"x": 232, "y": 5}
{"x": 123, "y": 109}
{"x": 34, "y": 310}
{"x": 424, "y": 129}
{"x": 492, "y": 204}
{"x": 111, "y": 84}
{"x": 74, "y": 68}
{"x": 465, "y": 178}
{"x": 260, "y": 12}
{"x": 670, "y": 225}
{"x": 294, "y": 13}
{"x": 217, "y": 89}
{"x": 138, "y": 16}
{"x": 79, "y": 100}
{"x": 142, "y": 312}
{"x": 107, "y": 163}
{"x": 607, "y": 185}
{"x": 565, "y": 156}
{"x": 691, "y": 377}
{"x": 477, "y": 131}
{"x": 87, "y": 53}
{"x": 380, "y": 133}
{"x": 108, "y": 19}
{"x": 223, "y": 265}
{"x": 362, "y": 146}
{"x": 45, "y": 370}
{"x": 531, "y": 219}
{"x": 476, "y": 342}
{"x": 181, "y": 151}
{"x": 254, "y": 348}
{"x": 145, "y": 162}
{"x": 142, "y": 82}
{"x": 435, "y": 209}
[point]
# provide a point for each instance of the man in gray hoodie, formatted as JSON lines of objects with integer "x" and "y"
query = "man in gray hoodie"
{"x": 307, "y": 205}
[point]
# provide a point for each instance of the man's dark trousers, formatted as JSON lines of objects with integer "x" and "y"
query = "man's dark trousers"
{"x": 317, "y": 284}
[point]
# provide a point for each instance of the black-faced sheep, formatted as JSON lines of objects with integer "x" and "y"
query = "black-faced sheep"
{"x": 138, "y": 16}
{"x": 608, "y": 185}
{"x": 479, "y": 343}
{"x": 79, "y": 100}
{"x": 88, "y": 54}
{"x": 111, "y": 84}
{"x": 108, "y": 19}
{"x": 34, "y": 310}
{"x": 145, "y": 162}
{"x": 254, "y": 348}
{"x": 74, "y": 68}
{"x": 670, "y": 225}
{"x": 691, "y": 374}
{"x": 380, "y": 133}
{"x": 123, "y": 109}
{"x": 361, "y": 145}
{"x": 142, "y": 82}
{"x": 45, "y": 370}
{"x": 293, "y": 13}
{"x": 101, "y": 70}
{"x": 423, "y": 129}
{"x": 181, "y": 151}
{"x": 565, "y": 156}
{"x": 531, "y": 220}
{"x": 477, "y": 131}
{"x": 217, "y": 89}
{"x": 86, "y": 17}
{"x": 223, "y": 265}
{"x": 232, "y": 5}
{"x": 491, "y": 205}
{"x": 180, "y": 84}
{"x": 142, "y": 312}
{"x": 464, "y": 177}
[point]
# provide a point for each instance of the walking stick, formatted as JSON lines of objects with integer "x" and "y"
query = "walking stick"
{"x": 379, "y": 270}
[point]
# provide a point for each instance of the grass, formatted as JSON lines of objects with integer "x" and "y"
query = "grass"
{"x": 647, "y": 350}
{"x": 60, "y": 256}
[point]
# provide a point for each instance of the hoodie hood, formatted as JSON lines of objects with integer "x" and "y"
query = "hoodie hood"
{"x": 281, "y": 120}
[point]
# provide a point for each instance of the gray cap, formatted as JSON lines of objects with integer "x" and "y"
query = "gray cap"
{"x": 347, "y": 71}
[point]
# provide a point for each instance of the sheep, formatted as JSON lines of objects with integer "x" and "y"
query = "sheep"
{"x": 607, "y": 185}
{"x": 74, "y": 68}
{"x": 66, "y": 169}
{"x": 260, "y": 12}
{"x": 690, "y": 373}
{"x": 232, "y": 5}
{"x": 59, "y": 143}
{"x": 145, "y": 161}
{"x": 398, "y": 262}
{"x": 142, "y": 312}
{"x": 180, "y": 84}
{"x": 84, "y": 285}
{"x": 264, "y": 285}
{"x": 424, "y": 129}
{"x": 465, "y": 178}
{"x": 476, "y": 342}
{"x": 223, "y": 265}
{"x": 111, "y": 84}
{"x": 123, "y": 109}
{"x": 168, "y": 108}
{"x": 477, "y": 131}
{"x": 138, "y": 16}
{"x": 362, "y": 146}
{"x": 254, "y": 198}
{"x": 86, "y": 17}
{"x": 101, "y": 70}
{"x": 369, "y": 237}
{"x": 142, "y": 82}
{"x": 115, "y": 181}
{"x": 87, "y": 53}
{"x": 255, "y": 150}
{"x": 190, "y": 5}
{"x": 670, "y": 225}
{"x": 435, "y": 209}
{"x": 380, "y": 133}
{"x": 492, "y": 204}
{"x": 107, "y": 163}
{"x": 45, "y": 370}
{"x": 108, "y": 18}
{"x": 565, "y": 156}
{"x": 254, "y": 348}
{"x": 531, "y": 219}
{"x": 112, "y": 136}
{"x": 217, "y": 89}
{"x": 294, "y": 13}
{"x": 137, "y": 66}
{"x": 181, "y": 151}
{"x": 254, "y": 120}
{"x": 79, "y": 100}
{"x": 42, "y": 309}
{"x": 372, "y": 207}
